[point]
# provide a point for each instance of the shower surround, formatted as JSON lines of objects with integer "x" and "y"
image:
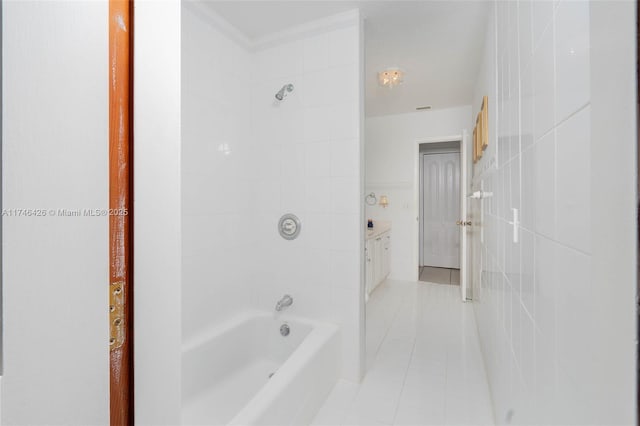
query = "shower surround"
{"x": 248, "y": 158}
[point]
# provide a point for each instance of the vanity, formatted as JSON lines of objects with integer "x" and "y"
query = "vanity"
{"x": 377, "y": 254}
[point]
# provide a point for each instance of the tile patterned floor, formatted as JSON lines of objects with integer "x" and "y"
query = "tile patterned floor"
{"x": 439, "y": 275}
{"x": 424, "y": 365}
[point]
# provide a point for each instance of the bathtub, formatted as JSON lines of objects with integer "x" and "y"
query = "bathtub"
{"x": 245, "y": 372}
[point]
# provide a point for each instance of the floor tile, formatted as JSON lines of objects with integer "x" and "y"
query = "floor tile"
{"x": 436, "y": 275}
{"x": 455, "y": 276}
{"x": 420, "y": 408}
{"x": 335, "y": 407}
{"x": 424, "y": 364}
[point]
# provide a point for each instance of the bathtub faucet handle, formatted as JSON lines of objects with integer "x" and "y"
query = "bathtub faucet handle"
{"x": 286, "y": 301}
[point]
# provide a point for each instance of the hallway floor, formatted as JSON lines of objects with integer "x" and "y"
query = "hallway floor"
{"x": 439, "y": 275}
{"x": 424, "y": 365}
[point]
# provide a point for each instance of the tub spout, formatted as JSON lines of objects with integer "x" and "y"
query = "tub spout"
{"x": 285, "y": 302}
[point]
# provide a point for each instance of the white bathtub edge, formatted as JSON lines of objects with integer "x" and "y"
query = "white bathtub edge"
{"x": 210, "y": 333}
{"x": 254, "y": 412}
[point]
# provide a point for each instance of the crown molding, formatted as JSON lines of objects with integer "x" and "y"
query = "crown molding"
{"x": 217, "y": 21}
{"x": 309, "y": 29}
{"x": 318, "y": 26}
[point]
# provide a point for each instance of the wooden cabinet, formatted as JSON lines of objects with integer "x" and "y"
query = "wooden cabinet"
{"x": 377, "y": 256}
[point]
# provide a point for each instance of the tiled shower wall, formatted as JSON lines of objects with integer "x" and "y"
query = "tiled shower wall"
{"x": 536, "y": 302}
{"x": 306, "y": 161}
{"x": 249, "y": 158}
{"x": 216, "y": 191}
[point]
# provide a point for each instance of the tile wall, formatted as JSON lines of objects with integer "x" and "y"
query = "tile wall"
{"x": 249, "y": 158}
{"x": 216, "y": 189}
{"x": 305, "y": 157}
{"x": 536, "y": 301}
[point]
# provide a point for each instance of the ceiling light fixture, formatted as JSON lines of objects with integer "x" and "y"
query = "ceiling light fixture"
{"x": 391, "y": 77}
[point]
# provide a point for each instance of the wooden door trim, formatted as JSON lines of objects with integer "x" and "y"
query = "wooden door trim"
{"x": 121, "y": 212}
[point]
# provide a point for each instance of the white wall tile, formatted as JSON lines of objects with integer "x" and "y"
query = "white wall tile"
{"x": 281, "y": 61}
{"x": 525, "y": 32}
{"x": 345, "y": 154}
{"x": 293, "y": 195}
{"x": 345, "y": 235}
{"x": 542, "y": 18}
{"x": 528, "y": 200}
{"x": 293, "y": 161}
{"x": 543, "y": 82}
{"x": 216, "y": 168}
{"x": 266, "y": 160}
{"x": 341, "y": 118}
{"x": 317, "y": 228}
{"x": 315, "y": 53}
{"x": 291, "y": 125}
{"x": 527, "y": 279}
{"x": 575, "y": 319}
{"x": 515, "y": 185}
{"x": 345, "y": 269}
{"x": 268, "y": 195}
{"x": 573, "y": 198}
{"x": 343, "y": 46}
{"x": 546, "y": 380}
{"x": 512, "y": 259}
{"x": 526, "y": 107}
{"x": 345, "y": 194}
{"x": 316, "y": 127}
{"x": 314, "y": 85}
{"x": 343, "y": 83}
{"x": 278, "y": 157}
{"x": 538, "y": 319}
{"x": 317, "y": 160}
{"x": 545, "y": 185}
{"x": 318, "y": 195}
{"x": 527, "y": 354}
{"x": 317, "y": 271}
{"x": 572, "y": 57}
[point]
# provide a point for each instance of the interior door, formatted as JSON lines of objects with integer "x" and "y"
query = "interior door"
{"x": 441, "y": 210}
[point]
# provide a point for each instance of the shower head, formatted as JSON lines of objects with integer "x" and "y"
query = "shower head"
{"x": 282, "y": 93}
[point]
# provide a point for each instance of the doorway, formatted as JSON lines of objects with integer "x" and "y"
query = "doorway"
{"x": 440, "y": 199}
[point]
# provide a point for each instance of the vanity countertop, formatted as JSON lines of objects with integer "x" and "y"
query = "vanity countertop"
{"x": 378, "y": 229}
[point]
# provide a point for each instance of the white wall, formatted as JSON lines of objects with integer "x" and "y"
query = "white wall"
{"x": 248, "y": 159}
{"x": 391, "y": 150}
{"x": 556, "y": 310}
{"x": 56, "y": 270}
{"x": 306, "y": 161}
{"x": 217, "y": 194}
{"x": 157, "y": 232}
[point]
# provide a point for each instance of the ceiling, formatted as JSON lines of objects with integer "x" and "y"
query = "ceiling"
{"x": 437, "y": 43}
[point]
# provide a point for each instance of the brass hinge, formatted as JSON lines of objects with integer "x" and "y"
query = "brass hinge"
{"x": 116, "y": 315}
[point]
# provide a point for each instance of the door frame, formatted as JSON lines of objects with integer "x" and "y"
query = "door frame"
{"x": 120, "y": 303}
{"x": 461, "y": 138}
